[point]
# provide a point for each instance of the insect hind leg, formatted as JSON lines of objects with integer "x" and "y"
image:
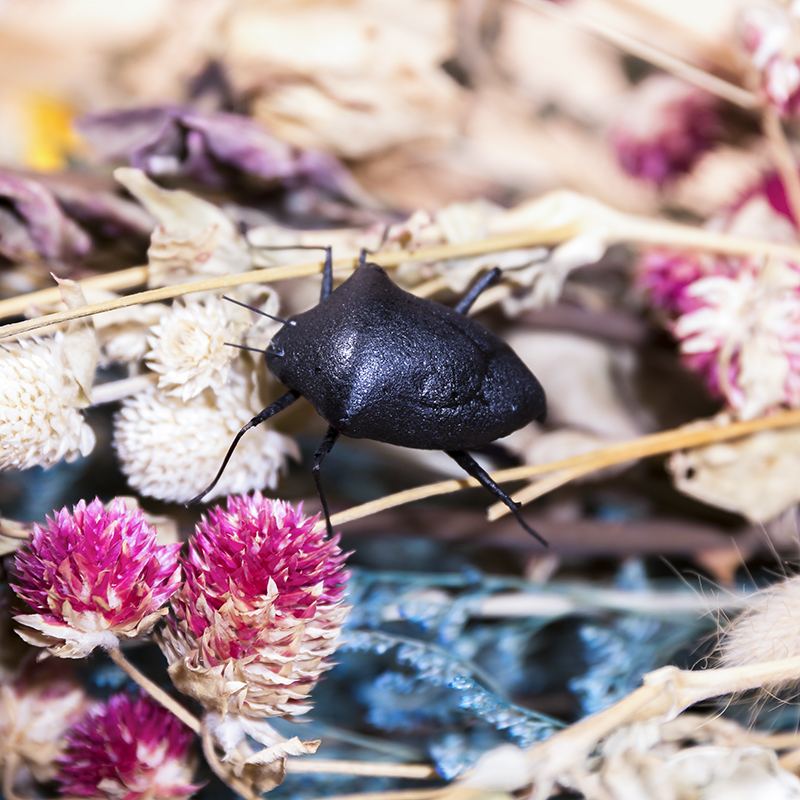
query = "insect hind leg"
{"x": 325, "y": 447}
{"x": 474, "y": 470}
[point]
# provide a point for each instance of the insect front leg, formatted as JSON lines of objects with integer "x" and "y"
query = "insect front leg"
{"x": 284, "y": 401}
{"x": 465, "y": 303}
{"x": 472, "y": 468}
{"x": 325, "y": 447}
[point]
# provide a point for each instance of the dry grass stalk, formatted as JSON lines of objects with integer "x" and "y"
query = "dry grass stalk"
{"x": 653, "y": 444}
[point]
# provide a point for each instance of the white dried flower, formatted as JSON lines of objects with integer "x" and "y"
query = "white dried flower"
{"x": 188, "y": 348}
{"x": 171, "y": 450}
{"x": 39, "y": 422}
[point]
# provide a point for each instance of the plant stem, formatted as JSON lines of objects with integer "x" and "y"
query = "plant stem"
{"x": 155, "y": 691}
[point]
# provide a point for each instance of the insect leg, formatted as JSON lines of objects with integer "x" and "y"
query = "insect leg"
{"x": 472, "y": 468}
{"x": 327, "y": 445}
{"x": 327, "y": 274}
{"x": 465, "y": 303}
{"x": 282, "y": 402}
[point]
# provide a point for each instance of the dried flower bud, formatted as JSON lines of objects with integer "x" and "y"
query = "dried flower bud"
{"x": 39, "y": 422}
{"x": 131, "y": 748}
{"x": 259, "y": 613}
{"x": 93, "y": 576}
{"x": 666, "y": 127}
{"x": 188, "y": 348}
{"x": 171, "y": 449}
{"x": 35, "y": 712}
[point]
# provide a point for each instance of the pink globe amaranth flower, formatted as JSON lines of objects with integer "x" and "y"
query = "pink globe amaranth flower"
{"x": 736, "y": 318}
{"x": 128, "y": 748}
{"x": 93, "y": 576}
{"x": 259, "y": 613}
{"x": 665, "y": 127}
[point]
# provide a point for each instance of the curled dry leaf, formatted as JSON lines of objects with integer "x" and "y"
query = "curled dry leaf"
{"x": 755, "y": 476}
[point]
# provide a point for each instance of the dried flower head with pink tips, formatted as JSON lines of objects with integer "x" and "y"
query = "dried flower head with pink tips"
{"x": 769, "y": 34}
{"x": 129, "y": 748}
{"x": 259, "y": 613}
{"x": 736, "y": 318}
{"x": 666, "y": 125}
{"x": 91, "y": 577}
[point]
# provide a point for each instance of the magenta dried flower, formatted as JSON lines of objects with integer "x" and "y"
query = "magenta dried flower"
{"x": 259, "y": 613}
{"x": 128, "y": 748}
{"x": 736, "y": 318}
{"x": 93, "y": 576}
{"x": 665, "y": 127}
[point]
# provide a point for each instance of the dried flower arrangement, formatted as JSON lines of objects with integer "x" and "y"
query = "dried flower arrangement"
{"x": 631, "y": 169}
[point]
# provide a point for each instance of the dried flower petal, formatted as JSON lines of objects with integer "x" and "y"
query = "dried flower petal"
{"x": 35, "y": 226}
{"x": 665, "y": 128}
{"x": 170, "y": 140}
{"x": 171, "y": 449}
{"x": 35, "y": 712}
{"x": 126, "y": 749}
{"x": 93, "y": 576}
{"x": 258, "y": 616}
{"x": 39, "y": 421}
{"x": 188, "y": 348}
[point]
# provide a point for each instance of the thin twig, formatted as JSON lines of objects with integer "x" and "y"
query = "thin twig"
{"x": 154, "y": 690}
{"x": 783, "y": 158}
{"x": 647, "y": 52}
{"x": 654, "y": 444}
{"x": 665, "y": 694}
{"x": 116, "y": 390}
{"x": 380, "y": 769}
{"x": 111, "y": 281}
{"x": 505, "y": 241}
{"x": 618, "y": 227}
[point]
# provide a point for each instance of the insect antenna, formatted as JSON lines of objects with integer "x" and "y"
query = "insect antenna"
{"x": 282, "y": 402}
{"x": 258, "y": 311}
{"x": 244, "y": 347}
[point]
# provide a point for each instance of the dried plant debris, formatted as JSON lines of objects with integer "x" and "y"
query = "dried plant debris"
{"x": 632, "y": 171}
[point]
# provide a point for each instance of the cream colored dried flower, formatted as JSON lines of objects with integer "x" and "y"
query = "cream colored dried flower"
{"x": 171, "y": 449}
{"x": 188, "y": 350}
{"x": 39, "y": 420}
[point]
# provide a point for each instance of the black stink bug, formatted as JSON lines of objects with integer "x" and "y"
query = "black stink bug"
{"x": 379, "y": 363}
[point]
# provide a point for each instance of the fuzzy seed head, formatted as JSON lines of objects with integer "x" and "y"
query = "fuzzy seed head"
{"x": 130, "y": 748}
{"x": 91, "y": 577}
{"x": 39, "y": 422}
{"x": 258, "y": 616}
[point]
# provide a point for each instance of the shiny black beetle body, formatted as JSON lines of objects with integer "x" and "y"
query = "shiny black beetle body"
{"x": 379, "y": 363}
